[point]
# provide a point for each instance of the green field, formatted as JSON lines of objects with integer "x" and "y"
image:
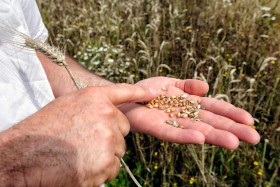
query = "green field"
{"x": 233, "y": 45}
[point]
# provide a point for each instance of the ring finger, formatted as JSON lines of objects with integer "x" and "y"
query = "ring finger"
{"x": 212, "y": 135}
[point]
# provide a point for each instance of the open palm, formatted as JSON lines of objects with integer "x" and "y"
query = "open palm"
{"x": 221, "y": 124}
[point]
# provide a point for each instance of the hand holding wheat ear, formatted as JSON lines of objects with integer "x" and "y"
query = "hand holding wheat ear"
{"x": 55, "y": 54}
{"x": 90, "y": 129}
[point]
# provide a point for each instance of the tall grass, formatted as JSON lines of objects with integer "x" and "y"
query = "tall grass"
{"x": 233, "y": 45}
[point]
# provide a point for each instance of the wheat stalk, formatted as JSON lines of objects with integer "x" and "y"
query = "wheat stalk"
{"x": 130, "y": 173}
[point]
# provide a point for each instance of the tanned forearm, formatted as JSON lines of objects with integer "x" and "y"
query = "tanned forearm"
{"x": 29, "y": 157}
{"x": 61, "y": 81}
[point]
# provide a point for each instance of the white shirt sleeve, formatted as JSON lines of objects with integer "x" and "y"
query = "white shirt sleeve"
{"x": 24, "y": 87}
{"x": 33, "y": 20}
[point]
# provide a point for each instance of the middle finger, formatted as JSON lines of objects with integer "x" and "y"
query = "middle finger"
{"x": 243, "y": 132}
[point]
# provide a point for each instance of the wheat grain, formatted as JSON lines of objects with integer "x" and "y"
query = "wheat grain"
{"x": 176, "y": 106}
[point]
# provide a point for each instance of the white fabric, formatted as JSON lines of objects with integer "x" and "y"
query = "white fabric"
{"x": 24, "y": 87}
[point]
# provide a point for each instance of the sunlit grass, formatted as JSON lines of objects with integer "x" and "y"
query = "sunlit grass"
{"x": 233, "y": 45}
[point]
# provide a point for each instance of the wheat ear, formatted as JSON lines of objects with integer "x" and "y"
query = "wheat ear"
{"x": 55, "y": 54}
{"x": 13, "y": 36}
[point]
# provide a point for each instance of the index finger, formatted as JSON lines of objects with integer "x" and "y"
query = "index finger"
{"x": 127, "y": 93}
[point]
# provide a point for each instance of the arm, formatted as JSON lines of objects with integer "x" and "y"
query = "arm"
{"x": 29, "y": 158}
{"x": 66, "y": 143}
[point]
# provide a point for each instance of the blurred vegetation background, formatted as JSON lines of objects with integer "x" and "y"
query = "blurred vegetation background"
{"x": 234, "y": 45}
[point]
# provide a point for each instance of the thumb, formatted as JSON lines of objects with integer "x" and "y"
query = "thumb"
{"x": 127, "y": 93}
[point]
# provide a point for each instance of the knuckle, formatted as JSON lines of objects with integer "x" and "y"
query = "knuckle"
{"x": 108, "y": 135}
{"x": 86, "y": 91}
{"x": 125, "y": 129}
{"x": 124, "y": 126}
{"x": 123, "y": 147}
{"x": 86, "y": 96}
{"x": 108, "y": 111}
{"x": 109, "y": 163}
{"x": 90, "y": 92}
